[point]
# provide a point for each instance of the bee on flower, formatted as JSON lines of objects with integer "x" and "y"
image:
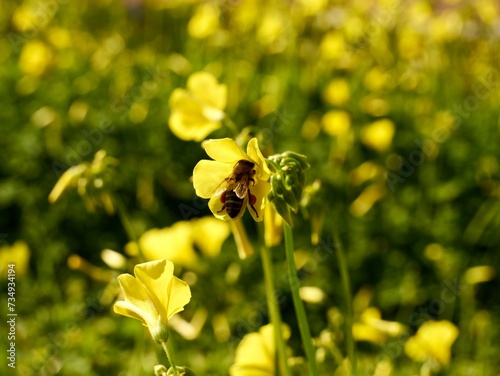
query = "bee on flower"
{"x": 233, "y": 180}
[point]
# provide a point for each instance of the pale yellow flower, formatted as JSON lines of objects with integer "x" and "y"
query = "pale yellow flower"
{"x": 205, "y": 21}
{"x": 173, "y": 243}
{"x": 17, "y": 254}
{"x": 255, "y": 355}
{"x": 214, "y": 178}
{"x": 337, "y": 92}
{"x": 197, "y": 111}
{"x": 208, "y": 234}
{"x": 176, "y": 243}
{"x": 336, "y": 123}
{"x": 35, "y": 58}
{"x": 373, "y": 329}
{"x": 378, "y": 135}
{"x": 432, "y": 342}
{"x": 153, "y": 296}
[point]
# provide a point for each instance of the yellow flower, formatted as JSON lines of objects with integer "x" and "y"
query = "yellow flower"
{"x": 255, "y": 355}
{"x": 205, "y": 21}
{"x": 176, "y": 243}
{"x": 35, "y": 58}
{"x": 373, "y": 329}
{"x": 336, "y": 123}
{"x": 17, "y": 254}
{"x": 197, "y": 111}
{"x": 153, "y": 296}
{"x": 233, "y": 180}
{"x": 378, "y": 135}
{"x": 432, "y": 342}
{"x": 173, "y": 243}
{"x": 208, "y": 234}
{"x": 337, "y": 92}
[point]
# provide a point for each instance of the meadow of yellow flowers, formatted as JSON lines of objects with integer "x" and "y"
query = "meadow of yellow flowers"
{"x": 250, "y": 187}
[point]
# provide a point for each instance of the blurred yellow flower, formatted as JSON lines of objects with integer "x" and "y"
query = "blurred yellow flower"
{"x": 35, "y": 58}
{"x": 332, "y": 45}
{"x": 376, "y": 79}
{"x": 479, "y": 274}
{"x": 243, "y": 175}
{"x": 208, "y": 234}
{"x": 336, "y": 123}
{"x": 255, "y": 355}
{"x": 23, "y": 17}
{"x": 432, "y": 342}
{"x": 337, "y": 92}
{"x": 311, "y": 7}
{"x": 172, "y": 243}
{"x": 365, "y": 171}
{"x": 373, "y": 329}
{"x": 270, "y": 28}
{"x": 205, "y": 21}
{"x": 378, "y": 135}
{"x": 153, "y": 296}
{"x": 365, "y": 201}
{"x": 197, "y": 111}
{"x": 176, "y": 243}
{"x": 17, "y": 254}
{"x": 273, "y": 226}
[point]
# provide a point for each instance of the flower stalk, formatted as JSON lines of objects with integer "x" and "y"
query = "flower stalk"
{"x": 346, "y": 286}
{"x": 300, "y": 311}
{"x": 274, "y": 311}
{"x": 168, "y": 352}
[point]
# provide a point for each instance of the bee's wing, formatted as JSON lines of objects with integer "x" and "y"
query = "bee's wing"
{"x": 241, "y": 189}
{"x": 224, "y": 185}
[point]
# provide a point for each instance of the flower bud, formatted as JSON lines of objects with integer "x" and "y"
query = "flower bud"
{"x": 287, "y": 182}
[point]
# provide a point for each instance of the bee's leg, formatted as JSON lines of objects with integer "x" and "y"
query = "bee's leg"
{"x": 252, "y": 180}
{"x": 251, "y": 201}
{"x": 223, "y": 200}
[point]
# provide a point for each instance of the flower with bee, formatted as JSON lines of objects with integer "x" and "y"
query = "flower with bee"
{"x": 233, "y": 180}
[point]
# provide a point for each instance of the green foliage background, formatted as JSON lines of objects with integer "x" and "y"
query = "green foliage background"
{"x": 121, "y": 63}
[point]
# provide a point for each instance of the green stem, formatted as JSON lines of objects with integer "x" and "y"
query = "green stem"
{"x": 346, "y": 286}
{"x": 274, "y": 310}
{"x": 305, "y": 332}
{"x": 170, "y": 358}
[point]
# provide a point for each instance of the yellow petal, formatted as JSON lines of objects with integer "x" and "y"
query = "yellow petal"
{"x": 179, "y": 295}
{"x": 209, "y": 234}
{"x": 188, "y": 119}
{"x": 255, "y": 355}
{"x": 432, "y": 340}
{"x": 378, "y": 135}
{"x": 139, "y": 300}
{"x": 125, "y": 308}
{"x": 205, "y": 86}
{"x": 255, "y": 154}
{"x": 67, "y": 180}
{"x": 224, "y": 150}
{"x": 189, "y": 127}
{"x": 260, "y": 191}
{"x": 156, "y": 276}
{"x": 208, "y": 176}
{"x": 171, "y": 243}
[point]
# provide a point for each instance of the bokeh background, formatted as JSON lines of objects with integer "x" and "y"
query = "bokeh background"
{"x": 395, "y": 104}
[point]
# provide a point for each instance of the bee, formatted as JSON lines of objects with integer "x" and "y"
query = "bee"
{"x": 237, "y": 189}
